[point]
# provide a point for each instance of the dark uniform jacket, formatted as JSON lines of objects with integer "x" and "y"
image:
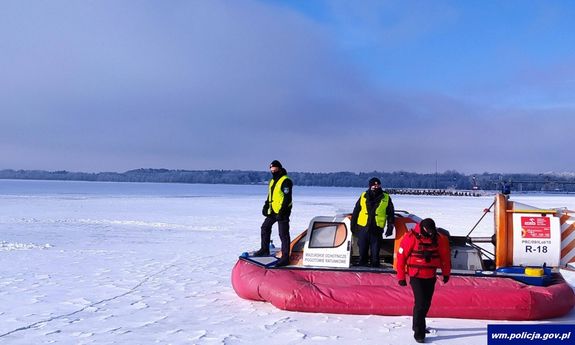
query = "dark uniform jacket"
{"x": 286, "y": 188}
{"x": 373, "y": 198}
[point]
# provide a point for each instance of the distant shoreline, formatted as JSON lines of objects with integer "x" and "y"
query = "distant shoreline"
{"x": 448, "y": 182}
{"x": 392, "y": 191}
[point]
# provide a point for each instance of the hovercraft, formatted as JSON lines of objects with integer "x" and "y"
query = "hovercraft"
{"x": 519, "y": 281}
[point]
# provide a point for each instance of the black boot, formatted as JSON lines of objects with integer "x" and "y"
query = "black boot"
{"x": 283, "y": 261}
{"x": 262, "y": 252}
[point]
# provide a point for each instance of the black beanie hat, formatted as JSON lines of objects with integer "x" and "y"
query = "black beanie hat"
{"x": 428, "y": 226}
{"x": 276, "y": 164}
{"x": 373, "y": 181}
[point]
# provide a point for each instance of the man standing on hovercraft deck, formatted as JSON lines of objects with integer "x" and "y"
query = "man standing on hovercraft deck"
{"x": 277, "y": 208}
{"x": 372, "y": 211}
{"x": 423, "y": 251}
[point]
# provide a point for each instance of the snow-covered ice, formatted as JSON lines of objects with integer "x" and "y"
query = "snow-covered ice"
{"x": 131, "y": 263}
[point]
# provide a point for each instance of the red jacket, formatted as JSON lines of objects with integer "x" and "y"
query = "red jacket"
{"x": 421, "y": 257}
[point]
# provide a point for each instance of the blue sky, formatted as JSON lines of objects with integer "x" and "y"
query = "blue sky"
{"x": 472, "y": 86}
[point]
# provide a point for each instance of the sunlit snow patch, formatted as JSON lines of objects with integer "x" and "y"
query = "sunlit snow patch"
{"x": 6, "y": 246}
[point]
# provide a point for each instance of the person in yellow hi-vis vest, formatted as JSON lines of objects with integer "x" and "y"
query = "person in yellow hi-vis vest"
{"x": 373, "y": 211}
{"x": 277, "y": 208}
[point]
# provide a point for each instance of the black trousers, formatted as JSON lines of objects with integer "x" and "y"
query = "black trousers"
{"x": 368, "y": 241}
{"x": 423, "y": 289}
{"x": 283, "y": 229}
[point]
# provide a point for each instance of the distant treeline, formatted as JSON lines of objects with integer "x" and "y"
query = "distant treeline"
{"x": 398, "y": 180}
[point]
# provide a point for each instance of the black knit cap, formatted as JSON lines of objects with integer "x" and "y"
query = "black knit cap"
{"x": 276, "y": 164}
{"x": 428, "y": 226}
{"x": 374, "y": 180}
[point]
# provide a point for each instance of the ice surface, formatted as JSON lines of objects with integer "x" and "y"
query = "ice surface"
{"x": 118, "y": 263}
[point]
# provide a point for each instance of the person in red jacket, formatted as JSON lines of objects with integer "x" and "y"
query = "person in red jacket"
{"x": 421, "y": 252}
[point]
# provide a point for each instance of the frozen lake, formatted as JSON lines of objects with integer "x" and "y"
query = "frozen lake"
{"x": 142, "y": 263}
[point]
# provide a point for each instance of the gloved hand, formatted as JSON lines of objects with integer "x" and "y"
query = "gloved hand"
{"x": 389, "y": 230}
{"x": 445, "y": 279}
{"x": 265, "y": 209}
{"x": 402, "y": 282}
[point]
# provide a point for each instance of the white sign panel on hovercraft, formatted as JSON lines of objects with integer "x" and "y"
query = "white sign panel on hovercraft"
{"x": 536, "y": 240}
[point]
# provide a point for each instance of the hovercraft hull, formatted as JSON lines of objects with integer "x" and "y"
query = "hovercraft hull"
{"x": 377, "y": 293}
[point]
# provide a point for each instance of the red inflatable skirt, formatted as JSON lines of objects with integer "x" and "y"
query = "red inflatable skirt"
{"x": 352, "y": 292}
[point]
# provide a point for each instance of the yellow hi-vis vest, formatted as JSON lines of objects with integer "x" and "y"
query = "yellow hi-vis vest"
{"x": 276, "y": 196}
{"x": 380, "y": 215}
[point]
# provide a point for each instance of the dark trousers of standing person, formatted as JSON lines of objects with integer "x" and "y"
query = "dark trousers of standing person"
{"x": 368, "y": 241}
{"x": 283, "y": 230}
{"x": 423, "y": 289}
